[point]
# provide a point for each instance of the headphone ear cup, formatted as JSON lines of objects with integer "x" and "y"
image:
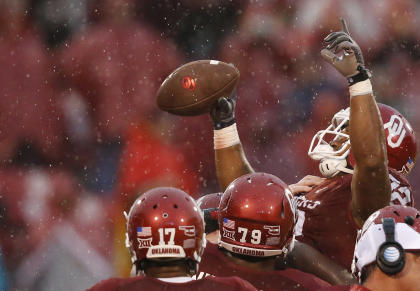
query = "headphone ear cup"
{"x": 390, "y": 258}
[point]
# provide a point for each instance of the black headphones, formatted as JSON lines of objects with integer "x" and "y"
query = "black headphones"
{"x": 390, "y": 257}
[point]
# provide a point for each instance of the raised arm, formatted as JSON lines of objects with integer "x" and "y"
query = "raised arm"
{"x": 230, "y": 158}
{"x": 370, "y": 183}
{"x": 371, "y": 188}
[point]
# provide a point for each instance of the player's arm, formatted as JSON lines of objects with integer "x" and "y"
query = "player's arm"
{"x": 371, "y": 188}
{"x": 230, "y": 158}
{"x": 310, "y": 260}
{"x": 370, "y": 183}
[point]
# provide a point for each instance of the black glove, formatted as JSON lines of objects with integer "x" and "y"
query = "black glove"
{"x": 351, "y": 64}
{"x": 223, "y": 112}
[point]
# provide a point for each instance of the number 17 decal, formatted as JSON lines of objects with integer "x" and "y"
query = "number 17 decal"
{"x": 166, "y": 231}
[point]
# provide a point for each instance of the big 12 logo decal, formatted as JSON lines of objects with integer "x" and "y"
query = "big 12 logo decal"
{"x": 396, "y": 131}
{"x": 144, "y": 238}
{"x": 230, "y": 234}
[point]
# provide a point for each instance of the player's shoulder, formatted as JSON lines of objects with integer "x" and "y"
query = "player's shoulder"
{"x": 327, "y": 189}
{"x": 308, "y": 281}
{"x": 113, "y": 283}
{"x": 396, "y": 176}
{"x": 345, "y": 288}
{"x": 235, "y": 282}
{"x": 213, "y": 261}
{"x": 334, "y": 183}
{"x": 401, "y": 192}
{"x": 212, "y": 251}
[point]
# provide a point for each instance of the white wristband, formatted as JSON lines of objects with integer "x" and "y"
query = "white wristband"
{"x": 226, "y": 137}
{"x": 361, "y": 88}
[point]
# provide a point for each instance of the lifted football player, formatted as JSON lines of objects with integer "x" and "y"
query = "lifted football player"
{"x": 360, "y": 179}
{"x": 256, "y": 219}
{"x": 165, "y": 237}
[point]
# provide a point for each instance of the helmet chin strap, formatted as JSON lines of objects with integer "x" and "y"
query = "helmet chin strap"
{"x": 331, "y": 167}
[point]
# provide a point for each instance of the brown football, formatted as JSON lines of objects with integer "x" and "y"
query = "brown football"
{"x": 194, "y": 87}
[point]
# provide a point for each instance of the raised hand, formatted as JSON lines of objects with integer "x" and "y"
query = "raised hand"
{"x": 223, "y": 111}
{"x": 344, "y": 54}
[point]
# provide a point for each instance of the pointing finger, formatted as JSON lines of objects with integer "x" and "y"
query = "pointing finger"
{"x": 344, "y": 25}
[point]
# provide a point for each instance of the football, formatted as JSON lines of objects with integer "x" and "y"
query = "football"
{"x": 194, "y": 87}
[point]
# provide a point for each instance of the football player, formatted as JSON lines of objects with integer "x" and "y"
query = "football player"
{"x": 256, "y": 220}
{"x": 318, "y": 264}
{"x": 387, "y": 251}
{"x": 364, "y": 155}
{"x": 165, "y": 237}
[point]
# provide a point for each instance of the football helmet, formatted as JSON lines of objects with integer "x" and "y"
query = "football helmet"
{"x": 256, "y": 216}
{"x": 209, "y": 204}
{"x": 372, "y": 238}
{"x": 400, "y": 139}
{"x": 165, "y": 223}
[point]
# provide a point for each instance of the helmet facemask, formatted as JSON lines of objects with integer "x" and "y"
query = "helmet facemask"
{"x": 332, "y": 161}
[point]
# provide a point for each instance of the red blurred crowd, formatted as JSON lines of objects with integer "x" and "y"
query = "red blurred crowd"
{"x": 81, "y": 135}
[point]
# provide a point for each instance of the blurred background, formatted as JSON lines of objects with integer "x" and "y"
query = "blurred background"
{"x": 81, "y": 135}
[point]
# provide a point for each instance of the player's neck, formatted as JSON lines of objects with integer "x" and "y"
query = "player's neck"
{"x": 213, "y": 237}
{"x": 264, "y": 265}
{"x": 379, "y": 281}
{"x": 166, "y": 272}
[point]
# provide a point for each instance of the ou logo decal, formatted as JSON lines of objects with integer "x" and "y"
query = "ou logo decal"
{"x": 395, "y": 127}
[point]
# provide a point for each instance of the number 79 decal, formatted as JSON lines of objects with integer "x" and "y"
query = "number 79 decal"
{"x": 255, "y": 235}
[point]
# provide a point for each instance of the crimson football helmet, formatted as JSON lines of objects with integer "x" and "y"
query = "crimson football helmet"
{"x": 387, "y": 247}
{"x": 209, "y": 204}
{"x": 165, "y": 224}
{"x": 256, "y": 216}
{"x": 209, "y": 201}
{"x": 400, "y": 139}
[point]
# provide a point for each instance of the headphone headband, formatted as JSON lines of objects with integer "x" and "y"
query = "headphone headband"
{"x": 390, "y": 257}
{"x": 388, "y": 225}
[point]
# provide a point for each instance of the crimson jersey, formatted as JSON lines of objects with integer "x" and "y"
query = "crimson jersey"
{"x": 345, "y": 288}
{"x": 147, "y": 283}
{"x": 214, "y": 262}
{"x": 324, "y": 216}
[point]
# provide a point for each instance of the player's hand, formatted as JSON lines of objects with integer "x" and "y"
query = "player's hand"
{"x": 223, "y": 112}
{"x": 343, "y": 53}
{"x": 306, "y": 184}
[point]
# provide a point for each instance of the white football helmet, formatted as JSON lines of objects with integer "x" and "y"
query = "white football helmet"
{"x": 332, "y": 161}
